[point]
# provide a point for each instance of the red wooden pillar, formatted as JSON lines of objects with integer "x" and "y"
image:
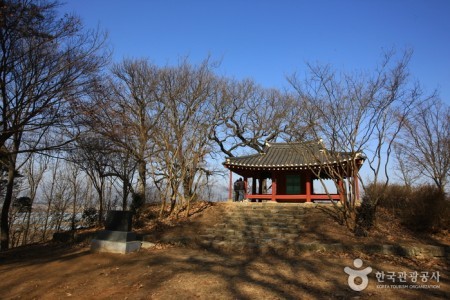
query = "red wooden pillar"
{"x": 308, "y": 187}
{"x": 230, "y": 187}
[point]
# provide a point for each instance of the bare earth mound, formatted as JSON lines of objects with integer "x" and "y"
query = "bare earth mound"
{"x": 56, "y": 271}
{"x": 318, "y": 226}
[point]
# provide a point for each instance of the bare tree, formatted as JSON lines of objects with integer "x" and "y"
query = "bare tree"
{"x": 75, "y": 180}
{"x": 57, "y": 195}
{"x": 92, "y": 155}
{"x": 35, "y": 169}
{"x": 48, "y": 197}
{"x": 406, "y": 171}
{"x": 359, "y": 115}
{"x": 250, "y": 116}
{"x": 188, "y": 94}
{"x": 425, "y": 143}
{"x": 123, "y": 167}
{"x": 125, "y": 110}
{"x": 46, "y": 63}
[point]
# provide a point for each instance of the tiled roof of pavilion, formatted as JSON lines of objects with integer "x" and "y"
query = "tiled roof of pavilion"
{"x": 289, "y": 155}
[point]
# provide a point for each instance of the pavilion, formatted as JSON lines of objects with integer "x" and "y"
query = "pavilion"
{"x": 291, "y": 169}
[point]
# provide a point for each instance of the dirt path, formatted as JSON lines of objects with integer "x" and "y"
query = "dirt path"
{"x": 60, "y": 272}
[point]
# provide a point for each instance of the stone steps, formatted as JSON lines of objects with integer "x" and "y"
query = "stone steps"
{"x": 259, "y": 225}
{"x": 256, "y": 227}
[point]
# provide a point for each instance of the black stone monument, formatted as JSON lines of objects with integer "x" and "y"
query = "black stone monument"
{"x": 117, "y": 236}
{"x": 118, "y": 220}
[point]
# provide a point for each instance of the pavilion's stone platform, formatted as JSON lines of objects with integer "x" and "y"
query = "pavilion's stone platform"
{"x": 279, "y": 228}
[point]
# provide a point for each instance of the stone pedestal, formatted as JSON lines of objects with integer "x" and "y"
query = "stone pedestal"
{"x": 117, "y": 236}
{"x": 115, "y": 247}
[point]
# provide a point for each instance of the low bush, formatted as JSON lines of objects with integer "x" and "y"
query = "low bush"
{"x": 426, "y": 210}
{"x": 422, "y": 208}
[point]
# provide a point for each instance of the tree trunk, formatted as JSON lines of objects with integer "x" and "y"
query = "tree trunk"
{"x": 173, "y": 202}
{"x": 27, "y": 227}
{"x": 125, "y": 192}
{"x": 163, "y": 206}
{"x": 142, "y": 179}
{"x": 4, "y": 223}
{"x": 187, "y": 188}
{"x": 100, "y": 200}
{"x": 74, "y": 206}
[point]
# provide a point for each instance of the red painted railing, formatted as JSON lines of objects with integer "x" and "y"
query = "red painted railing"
{"x": 317, "y": 197}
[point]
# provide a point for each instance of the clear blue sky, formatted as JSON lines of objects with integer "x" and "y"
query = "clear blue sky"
{"x": 267, "y": 40}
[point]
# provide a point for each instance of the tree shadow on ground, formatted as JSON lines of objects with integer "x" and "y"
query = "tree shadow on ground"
{"x": 180, "y": 272}
{"x": 184, "y": 272}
